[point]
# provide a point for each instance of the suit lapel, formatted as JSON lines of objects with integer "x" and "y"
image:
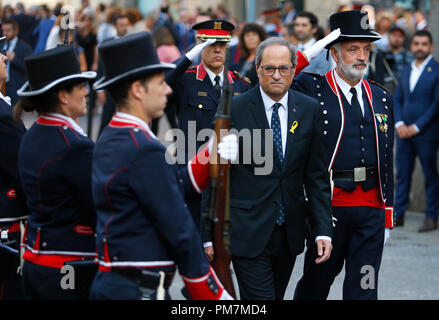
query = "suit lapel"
{"x": 424, "y": 75}
{"x": 291, "y": 118}
{"x": 258, "y": 110}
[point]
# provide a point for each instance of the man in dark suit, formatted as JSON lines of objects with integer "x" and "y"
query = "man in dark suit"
{"x": 417, "y": 128}
{"x": 267, "y": 202}
{"x": 16, "y": 51}
{"x": 27, "y": 24}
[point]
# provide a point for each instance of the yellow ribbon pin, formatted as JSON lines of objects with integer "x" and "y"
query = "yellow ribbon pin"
{"x": 294, "y": 126}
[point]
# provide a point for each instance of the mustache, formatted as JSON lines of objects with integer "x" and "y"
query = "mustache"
{"x": 359, "y": 64}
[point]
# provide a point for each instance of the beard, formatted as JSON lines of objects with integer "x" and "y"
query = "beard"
{"x": 350, "y": 71}
{"x": 421, "y": 55}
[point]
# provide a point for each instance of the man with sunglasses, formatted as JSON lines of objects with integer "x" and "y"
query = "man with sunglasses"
{"x": 267, "y": 209}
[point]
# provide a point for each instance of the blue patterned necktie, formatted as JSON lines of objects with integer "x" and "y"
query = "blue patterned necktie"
{"x": 277, "y": 139}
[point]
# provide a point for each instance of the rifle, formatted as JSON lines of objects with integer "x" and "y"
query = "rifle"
{"x": 217, "y": 215}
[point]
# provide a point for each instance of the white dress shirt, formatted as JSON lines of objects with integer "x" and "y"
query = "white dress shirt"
{"x": 415, "y": 74}
{"x": 346, "y": 87}
{"x": 303, "y": 46}
{"x": 11, "y": 48}
{"x": 282, "y": 112}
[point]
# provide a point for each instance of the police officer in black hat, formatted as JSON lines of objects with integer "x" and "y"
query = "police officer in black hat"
{"x": 144, "y": 229}
{"x": 54, "y": 161}
{"x": 358, "y": 137}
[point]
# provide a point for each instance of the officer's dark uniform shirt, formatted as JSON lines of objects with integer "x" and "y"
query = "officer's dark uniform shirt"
{"x": 139, "y": 196}
{"x": 196, "y": 99}
{"x": 350, "y": 143}
{"x": 55, "y": 168}
{"x": 12, "y": 200}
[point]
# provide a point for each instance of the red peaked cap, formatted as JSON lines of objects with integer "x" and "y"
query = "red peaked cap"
{"x": 214, "y": 29}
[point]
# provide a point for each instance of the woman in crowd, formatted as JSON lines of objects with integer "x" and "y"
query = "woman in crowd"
{"x": 251, "y": 36}
{"x": 86, "y": 38}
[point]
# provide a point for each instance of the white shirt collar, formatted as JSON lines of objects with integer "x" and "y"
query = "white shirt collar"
{"x": 308, "y": 44}
{"x": 12, "y": 44}
{"x": 346, "y": 87}
{"x": 5, "y": 98}
{"x": 212, "y": 75}
{"x": 268, "y": 102}
{"x": 69, "y": 120}
{"x": 138, "y": 121}
{"x": 423, "y": 64}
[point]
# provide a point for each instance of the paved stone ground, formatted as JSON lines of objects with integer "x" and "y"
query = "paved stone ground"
{"x": 409, "y": 269}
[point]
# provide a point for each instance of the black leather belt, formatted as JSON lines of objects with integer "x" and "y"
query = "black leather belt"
{"x": 356, "y": 175}
{"x": 145, "y": 278}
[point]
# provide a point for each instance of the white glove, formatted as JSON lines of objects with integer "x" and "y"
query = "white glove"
{"x": 225, "y": 296}
{"x": 228, "y": 147}
{"x": 386, "y": 235}
{"x": 196, "y": 51}
{"x": 318, "y": 47}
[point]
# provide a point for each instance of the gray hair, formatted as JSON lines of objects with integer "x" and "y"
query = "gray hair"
{"x": 275, "y": 41}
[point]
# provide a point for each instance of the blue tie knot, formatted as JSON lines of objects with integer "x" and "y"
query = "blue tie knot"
{"x": 276, "y": 107}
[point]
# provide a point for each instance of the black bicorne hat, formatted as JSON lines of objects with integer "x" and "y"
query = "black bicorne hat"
{"x": 129, "y": 57}
{"x": 354, "y": 25}
{"x": 48, "y": 69}
{"x": 221, "y": 30}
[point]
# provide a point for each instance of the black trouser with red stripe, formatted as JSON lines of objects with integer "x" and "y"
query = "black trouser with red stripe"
{"x": 11, "y": 283}
{"x": 358, "y": 243}
{"x": 47, "y": 283}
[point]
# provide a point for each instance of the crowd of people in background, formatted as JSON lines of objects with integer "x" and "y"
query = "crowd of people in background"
{"x": 39, "y": 27}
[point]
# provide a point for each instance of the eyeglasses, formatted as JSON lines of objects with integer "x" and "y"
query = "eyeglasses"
{"x": 283, "y": 70}
{"x": 353, "y": 51}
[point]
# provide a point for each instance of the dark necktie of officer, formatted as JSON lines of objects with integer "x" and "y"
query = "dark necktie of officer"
{"x": 217, "y": 85}
{"x": 277, "y": 139}
{"x": 355, "y": 104}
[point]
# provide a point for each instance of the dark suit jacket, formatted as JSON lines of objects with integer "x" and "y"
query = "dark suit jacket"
{"x": 17, "y": 71}
{"x": 254, "y": 198}
{"x": 26, "y": 27}
{"x": 421, "y": 106}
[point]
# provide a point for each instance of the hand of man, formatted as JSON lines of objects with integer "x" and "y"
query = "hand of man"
{"x": 318, "y": 47}
{"x": 324, "y": 248}
{"x": 208, "y": 251}
{"x": 402, "y": 131}
{"x": 10, "y": 55}
{"x": 412, "y": 131}
{"x": 196, "y": 51}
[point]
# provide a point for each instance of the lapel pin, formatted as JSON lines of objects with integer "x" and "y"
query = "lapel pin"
{"x": 294, "y": 126}
{"x": 294, "y": 110}
{"x": 429, "y": 69}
